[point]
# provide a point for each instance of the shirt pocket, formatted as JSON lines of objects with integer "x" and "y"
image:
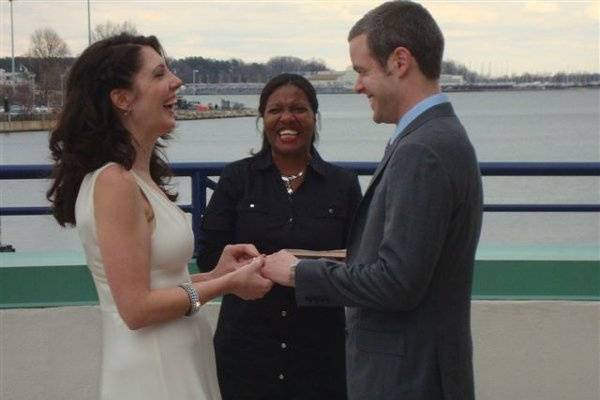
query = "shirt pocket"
{"x": 217, "y": 221}
{"x": 257, "y": 215}
{"x": 334, "y": 212}
{"x": 330, "y": 220}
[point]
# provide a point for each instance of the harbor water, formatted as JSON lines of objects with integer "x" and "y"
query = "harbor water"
{"x": 552, "y": 125}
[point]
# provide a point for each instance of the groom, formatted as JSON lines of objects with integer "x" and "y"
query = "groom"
{"x": 408, "y": 272}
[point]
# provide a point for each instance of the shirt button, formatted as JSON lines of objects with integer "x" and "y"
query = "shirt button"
{"x": 330, "y": 211}
{"x": 281, "y": 377}
{"x": 291, "y": 220}
{"x": 251, "y": 205}
{"x": 284, "y": 313}
{"x": 283, "y": 345}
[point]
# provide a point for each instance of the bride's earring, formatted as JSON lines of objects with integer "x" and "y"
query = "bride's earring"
{"x": 125, "y": 112}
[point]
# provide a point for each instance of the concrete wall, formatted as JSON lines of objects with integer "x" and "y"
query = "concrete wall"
{"x": 530, "y": 350}
{"x": 25, "y": 126}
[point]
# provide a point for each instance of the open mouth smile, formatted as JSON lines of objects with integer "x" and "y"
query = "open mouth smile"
{"x": 170, "y": 105}
{"x": 287, "y": 135}
{"x": 287, "y": 132}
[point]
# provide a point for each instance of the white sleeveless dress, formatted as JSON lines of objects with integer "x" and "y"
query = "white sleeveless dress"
{"x": 174, "y": 360}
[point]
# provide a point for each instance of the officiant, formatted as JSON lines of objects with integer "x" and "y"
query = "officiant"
{"x": 284, "y": 196}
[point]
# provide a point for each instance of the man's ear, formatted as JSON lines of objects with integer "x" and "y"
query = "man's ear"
{"x": 122, "y": 99}
{"x": 399, "y": 61}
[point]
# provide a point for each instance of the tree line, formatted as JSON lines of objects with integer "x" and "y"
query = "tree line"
{"x": 207, "y": 70}
{"x": 49, "y": 58}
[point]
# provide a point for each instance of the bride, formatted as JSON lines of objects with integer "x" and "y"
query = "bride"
{"x": 110, "y": 181}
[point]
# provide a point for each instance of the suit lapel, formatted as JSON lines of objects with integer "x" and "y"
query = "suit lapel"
{"x": 441, "y": 110}
{"x": 444, "y": 109}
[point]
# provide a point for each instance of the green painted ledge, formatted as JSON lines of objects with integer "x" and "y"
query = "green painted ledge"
{"x": 33, "y": 280}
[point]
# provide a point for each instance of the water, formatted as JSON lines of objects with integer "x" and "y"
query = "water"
{"x": 503, "y": 126}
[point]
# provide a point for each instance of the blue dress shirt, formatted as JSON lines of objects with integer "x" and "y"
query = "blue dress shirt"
{"x": 417, "y": 110}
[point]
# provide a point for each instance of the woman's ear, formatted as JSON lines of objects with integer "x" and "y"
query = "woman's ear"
{"x": 122, "y": 99}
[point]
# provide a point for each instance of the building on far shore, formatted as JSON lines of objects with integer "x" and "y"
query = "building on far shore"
{"x": 324, "y": 82}
{"x": 451, "y": 80}
{"x": 343, "y": 81}
{"x": 16, "y": 90}
{"x": 333, "y": 82}
{"x": 22, "y": 77}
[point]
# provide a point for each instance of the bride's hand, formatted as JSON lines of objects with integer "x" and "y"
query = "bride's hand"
{"x": 233, "y": 257}
{"x": 247, "y": 281}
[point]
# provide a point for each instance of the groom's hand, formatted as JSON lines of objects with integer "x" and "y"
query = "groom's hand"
{"x": 247, "y": 281}
{"x": 278, "y": 268}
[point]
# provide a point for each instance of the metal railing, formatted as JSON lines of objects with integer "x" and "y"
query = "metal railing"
{"x": 201, "y": 172}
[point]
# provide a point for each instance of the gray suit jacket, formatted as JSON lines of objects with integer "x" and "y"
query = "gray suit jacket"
{"x": 407, "y": 280}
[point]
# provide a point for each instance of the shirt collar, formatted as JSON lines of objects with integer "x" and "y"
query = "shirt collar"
{"x": 317, "y": 163}
{"x": 417, "y": 110}
{"x": 264, "y": 160}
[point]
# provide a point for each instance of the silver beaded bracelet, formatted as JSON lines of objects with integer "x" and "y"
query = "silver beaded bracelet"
{"x": 194, "y": 298}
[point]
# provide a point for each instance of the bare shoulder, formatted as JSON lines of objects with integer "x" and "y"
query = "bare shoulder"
{"x": 115, "y": 178}
{"x": 116, "y": 185}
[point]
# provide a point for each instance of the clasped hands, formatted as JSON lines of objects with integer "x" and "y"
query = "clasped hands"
{"x": 253, "y": 273}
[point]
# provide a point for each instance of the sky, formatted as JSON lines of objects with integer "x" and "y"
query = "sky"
{"x": 489, "y": 37}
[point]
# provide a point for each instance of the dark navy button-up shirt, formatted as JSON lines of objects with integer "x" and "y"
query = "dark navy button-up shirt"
{"x": 270, "y": 348}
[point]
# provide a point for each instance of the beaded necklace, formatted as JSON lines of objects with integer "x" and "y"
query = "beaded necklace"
{"x": 288, "y": 179}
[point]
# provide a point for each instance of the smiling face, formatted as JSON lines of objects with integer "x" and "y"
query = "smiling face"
{"x": 153, "y": 96}
{"x": 376, "y": 82}
{"x": 289, "y": 121}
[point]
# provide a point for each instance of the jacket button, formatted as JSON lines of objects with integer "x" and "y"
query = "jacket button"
{"x": 281, "y": 377}
{"x": 331, "y": 210}
{"x": 291, "y": 220}
{"x": 283, "y": 313}
{"x": 251, "y": 205}
{"x": 283, "y": 345}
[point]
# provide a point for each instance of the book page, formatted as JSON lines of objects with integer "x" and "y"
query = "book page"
{"x": 338, "y": 255}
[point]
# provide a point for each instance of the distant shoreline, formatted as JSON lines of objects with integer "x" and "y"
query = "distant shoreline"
{"x": 41, "y": 122}
{"x": 229, "y": 89}
{"x": 45, "y": 122}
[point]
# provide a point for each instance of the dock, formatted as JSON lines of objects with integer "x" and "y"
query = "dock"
{"x": 215, "y": 114}
{"x": 43, "y": 122}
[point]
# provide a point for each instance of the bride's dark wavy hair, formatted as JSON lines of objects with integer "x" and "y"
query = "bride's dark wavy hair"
{"x": 89, "y": 132}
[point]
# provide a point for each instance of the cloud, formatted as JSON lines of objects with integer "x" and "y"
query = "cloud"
{"x": 528, "y": 34}
{"x": 541, "y": 7}
{"x": 593, "y": 11}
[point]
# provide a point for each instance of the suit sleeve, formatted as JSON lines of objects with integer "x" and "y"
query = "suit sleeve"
{"x": 218, "y": 223}
{"x": 418, "y": 207}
